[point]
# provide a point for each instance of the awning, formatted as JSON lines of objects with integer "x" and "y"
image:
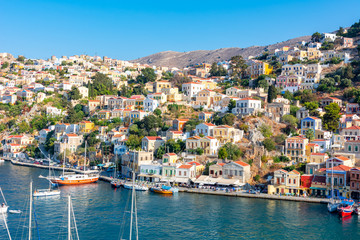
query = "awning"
{"x": 317, "y": 188}
{"x": 227, "y": 182}
{"x": 206, "y": 180}
{"x": 149, "y": 175}
{"x": 181, "y": 180}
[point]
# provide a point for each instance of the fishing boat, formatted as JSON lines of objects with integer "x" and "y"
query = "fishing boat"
{"x": 160, "y": 190}
{"x": 72, "y": 178}
{"x": 4, "y": 207}
{"x": 116, "y": 183}
{"x": 346, "y": 208}
{"x": 137, "y": 187}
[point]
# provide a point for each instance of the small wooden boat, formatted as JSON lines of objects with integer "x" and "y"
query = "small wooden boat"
{"x": 137, "y": 187}
{"x": 345, "y": 211}
{"x": 161, "y": 191}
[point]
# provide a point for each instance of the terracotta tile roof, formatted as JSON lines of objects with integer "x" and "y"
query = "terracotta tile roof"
{"x": 242, "y": 163}
{"x": 151, "y": 138}
{"x": 342, "y": 158}
{"x": 176, "y": 132}
{"x": 170, "y": 154}
{"x": 249, "y": 98}
{"x": 186, "y": 166}
{"x": 182, "y": 119}
{"x": 71, "y": 135}
{"x": 318, "y": 154}
{"x": 209, "y": 124}
{"x": 352, "y": 128}
{"x": 194, "y": 163}
{"x": 221, "y": 164}
{"x": 294, "y": 171}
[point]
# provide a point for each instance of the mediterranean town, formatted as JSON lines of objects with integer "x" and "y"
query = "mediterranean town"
{"x": 283, "y": 124}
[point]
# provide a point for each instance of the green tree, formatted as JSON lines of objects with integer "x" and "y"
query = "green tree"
{"x": 147, "y": 75}
{"x": 24, "y": 127}
{"x": 74, "y": 93}
{"x": 272, "y": 93}
{"x": 293, "y": 110}
{"x": 269, "y": 144}
{"x": 290, "y": 119}
{"x": 101, "y": 85}
{"x": 157, "y": 112}
{"x": 238, "y": 66}
{"x": 316, "y": 37}
{"x": 20, "y": 58}
{"x": 312, "y": 107}
{"x": 228, "y": 119}
{"x": 233, "y": 151}
{"x": 331, "y": 117}
{"x": 222, "y": 154}
{"x": 266, "y": 130}
{"x": 5, "y": 65}
{"x": 134, "y": 142}
{"x": 231, "y": 105}
{"x": 310, "y": 134}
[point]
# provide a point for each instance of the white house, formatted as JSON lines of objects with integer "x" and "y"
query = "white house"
{"x": 247, "y": 106}
{"x": 184, "y": 173}
{"x": 150, "y": 104}
{"x": 237, "y": 170}
{"x": 205, "y": 129}
{"x": 84, "y": 91}
{"x": 192, "y": 88}
{"x": 43, "y": 135}
{"x": 53, "y": 111}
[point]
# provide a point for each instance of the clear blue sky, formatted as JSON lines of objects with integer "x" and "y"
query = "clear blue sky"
{"x": 131, "y": 29}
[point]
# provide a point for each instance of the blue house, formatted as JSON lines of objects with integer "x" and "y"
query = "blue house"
{"x": 313, "y": 123}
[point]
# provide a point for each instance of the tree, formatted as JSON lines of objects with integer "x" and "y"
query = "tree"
{"x": 269, "y": 144}
{"x": 74, "y": 93}
{"x": 231, "y": 105}
{"x": 266, "y": 130}
{"x": 310, "y": 134}
{"x": 101, "y": 85}
{"x": 222, "y": 154}
{"x": 331, "y": 117}
{"x": 233, "y": 151}
{"x": 228, "y": 119}
{"x": 147, "y": 75}
{"x": 190, "y": 125}
{"x": 316, "y": 37}
{"x": 262, "y": 82}
{"x": 340, "y": 32}
{"x": 133, "y": 142}
{"x": 24, "y": 127}
{"x": 312, "y": 107}
{"x": 5, "y": 65}
{"x": 20, "y": 59}
{"x": 157, "y": 112}
{"x": 290, "y": 119}
{"x": 272, "y": 93}
{"x": 293, "y": 110}
{"x": 217, "y": 70}
{"x": 238, "y": 66}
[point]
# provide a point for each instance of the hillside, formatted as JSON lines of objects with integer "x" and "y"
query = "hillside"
{"x": 183, "y": 59}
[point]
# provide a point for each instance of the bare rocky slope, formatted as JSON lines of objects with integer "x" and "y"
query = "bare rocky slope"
{"x": 184, "y": 59}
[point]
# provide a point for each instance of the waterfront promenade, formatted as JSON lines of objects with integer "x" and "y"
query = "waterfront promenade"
{"x": 197, "y": 190}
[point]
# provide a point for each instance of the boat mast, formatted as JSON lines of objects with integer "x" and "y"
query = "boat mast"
{"x": 30, "y": 211}
{"x": 2, "y": 194}
{"x": 69, "y": 217}
{"x": 64, "y": 160}
{"x": 6, "y": 226}
{"x": 132, "y": 203}
{"x": 85, "y": 156}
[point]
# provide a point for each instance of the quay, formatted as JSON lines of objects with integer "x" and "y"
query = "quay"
{"x": 195, "y": 190}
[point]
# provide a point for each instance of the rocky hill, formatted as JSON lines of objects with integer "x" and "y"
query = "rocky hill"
{"x": 183, "y": 59}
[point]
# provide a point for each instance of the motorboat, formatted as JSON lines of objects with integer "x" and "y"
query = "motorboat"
{"x": 46, "y": 192}
{"x": 137, "y": 187}
{"x": 15, "y": 211}
{"x": 116, "y": 183}
{"x": 333, "y": 206}
{"x": 346, "y": 208}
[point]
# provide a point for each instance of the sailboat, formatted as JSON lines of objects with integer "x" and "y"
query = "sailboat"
{"x": 75, "y": 179}
{"x": 49, "y": 191}
{"x": 71, "y": 212}
{"x": 332, "y": 205}
{"x": 4, "y": 207}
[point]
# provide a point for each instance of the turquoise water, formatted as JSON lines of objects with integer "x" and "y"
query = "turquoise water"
{"x": 103, "y": 213}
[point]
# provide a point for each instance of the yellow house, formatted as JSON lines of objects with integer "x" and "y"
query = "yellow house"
{"x": 169, "y": 158}
{"x": 268, "y": 69}
{"x": 104, "y": 114}
{"x": 318, "y": 157}
{"x": 86, "y": 126}
{"x": 209, "y": 85}
{"x": 311, "y": 148}
{"x": 313, "y": 53}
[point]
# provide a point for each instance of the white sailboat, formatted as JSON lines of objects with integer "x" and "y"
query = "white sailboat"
{"x": 4, "y": 207}
{"x": 75, "y": 179}
{"x": 49, "y": 191}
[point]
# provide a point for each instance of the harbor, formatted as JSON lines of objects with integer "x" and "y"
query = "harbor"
{"x": 194, "y": 190}
{"x": 208, "y": 213}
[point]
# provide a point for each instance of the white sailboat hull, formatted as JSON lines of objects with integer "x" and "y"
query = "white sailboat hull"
{"x": 46, "y": 193}
{"x": 137, "y": 187}
{"x": 4, "y": 209}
